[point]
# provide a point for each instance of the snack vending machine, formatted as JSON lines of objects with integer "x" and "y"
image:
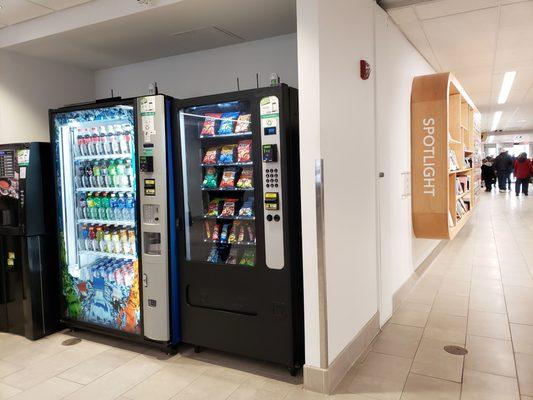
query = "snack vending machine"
{"x": 28, "y": 267}
{"x": 239, "y": 223}
{"x": 117, "y": 263}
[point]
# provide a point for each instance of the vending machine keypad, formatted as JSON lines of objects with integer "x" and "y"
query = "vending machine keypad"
{"x": 272, "y": 182}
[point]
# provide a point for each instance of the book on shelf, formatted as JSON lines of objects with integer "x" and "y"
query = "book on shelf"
{"x": 454, "y": 165}
{"x": 458, "y": 187}
{"x": 463, "y": 182}
{"x": 450, "y": 220}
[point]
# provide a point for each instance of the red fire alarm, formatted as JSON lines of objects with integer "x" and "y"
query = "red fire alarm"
{"x": 365, "y": 70}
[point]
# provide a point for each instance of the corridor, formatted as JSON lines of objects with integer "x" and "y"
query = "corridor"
{"x": 478, "y": 293}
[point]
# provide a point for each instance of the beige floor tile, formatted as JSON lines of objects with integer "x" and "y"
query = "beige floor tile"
{"x": 524, "y": 367}
{"x": 454, "y": 287}
{"x": 522, "y": 338}
{"x": 486, "y": 286}
{"x": 487, "y": 302}
{"x": 300, "y": 394}
{"x": 271, "y": 385}
{"x": 411, "y": 314}
{"x": 451, "y": 304}
{"x": 526, "y": 398}
{"x": 97, "y": 366}
{"x": 7, "y": 368}
{"x": 119, "y": 380}
{"x": 419, "y": 387}
{"x": 485, "y": 262}
{"x": 208, "y": 388}
{"x": 432, "y": 360}
{"x": 482, "y": 386}
{"x": 248, "y": 393}
{"x": 493, "y": 356}
{"x": 520, "y": 312}
{"x": 398, "y": 340}
{"x": 7, "y": 391}
{"x": 491, "y": 325}
{"x": 52, "y": 389}
{"x": 380, "y": 376}
{"x": 486, "y": 273}
{"x": 457, "y": 274}
{"x": 422, "y": 296}
{"x": 447, "y": 328}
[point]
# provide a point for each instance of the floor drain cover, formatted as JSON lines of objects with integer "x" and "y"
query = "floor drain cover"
{"x": 456, "y": 350}
{"x": 71, "y": 342}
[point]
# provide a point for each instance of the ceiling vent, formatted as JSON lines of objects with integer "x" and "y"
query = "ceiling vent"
{"x": 207, "y": 31}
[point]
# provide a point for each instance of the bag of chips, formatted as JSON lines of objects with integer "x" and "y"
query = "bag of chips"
{"x": 248, "y": 258}
{"x": 228, "y": 178}
{"x": 233, "y": 233}
{"x": 229, "y": 207}
{"x": 208, "y": 226}
{"x": 210, "y": 178}
{"x": 228, "y": 121}
{"x": 224, "y": 234}
{"x": 227, "y": 154}
{"x": 213, "y": 208}
{"x": 247, "y": 208}
{"x": 208, "y": 129}
{"x": 246, "y": 179}
{"x": 244, "y": 151}
{"x": 216, "y": 233}
{"x": 210, "y": 156}
{"x": 251, "y": 235}
{"x": 233, "y": 255}
{"x": 213, "y": 255}
{"x": 240, "y": 236}
{"x": 243, "y": 123}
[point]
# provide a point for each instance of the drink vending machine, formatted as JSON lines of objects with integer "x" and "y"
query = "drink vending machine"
{"x": 239, "y": 223}
{"x": 28, "y": 267}
{"x": 115, "y": 197}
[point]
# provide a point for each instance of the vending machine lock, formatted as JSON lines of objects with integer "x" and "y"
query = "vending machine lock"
{"x": 270, "y": 153}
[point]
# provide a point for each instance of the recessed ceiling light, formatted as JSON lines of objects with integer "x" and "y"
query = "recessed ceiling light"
{"x": 496, "y": 120}
{"x": 507, "y": 84}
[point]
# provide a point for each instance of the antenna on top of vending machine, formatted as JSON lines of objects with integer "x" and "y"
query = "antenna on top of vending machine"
{"x": 153, "y": 89}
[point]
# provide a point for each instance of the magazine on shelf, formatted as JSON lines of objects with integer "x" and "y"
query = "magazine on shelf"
{"x": 454, "y": 165}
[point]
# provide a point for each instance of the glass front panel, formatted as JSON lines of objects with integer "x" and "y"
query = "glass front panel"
{"x": 97, "y": 216}
{"x": 218, "y": 165}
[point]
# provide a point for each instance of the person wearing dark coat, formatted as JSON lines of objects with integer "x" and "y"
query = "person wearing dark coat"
{"x": 487, "y": 174}
{"x": 503, "y": 166}
{"x": 523, "y": 171}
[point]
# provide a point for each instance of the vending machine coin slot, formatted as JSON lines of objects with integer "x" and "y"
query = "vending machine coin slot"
{"x": 149, "y": 187}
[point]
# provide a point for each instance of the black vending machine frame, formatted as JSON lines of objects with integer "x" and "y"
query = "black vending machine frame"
{"x": 251, "y": 311}
{"x": 74, "y": 323}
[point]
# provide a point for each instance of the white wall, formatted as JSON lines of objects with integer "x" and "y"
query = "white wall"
{"x": 29, "y": 87}
{"x": 397, "y": 63}
{"x": 205, "y": 72}
{"x": 337, "y": 117}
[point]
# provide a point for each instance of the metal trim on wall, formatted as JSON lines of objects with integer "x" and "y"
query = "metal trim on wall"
{"x": 321, "y": 263}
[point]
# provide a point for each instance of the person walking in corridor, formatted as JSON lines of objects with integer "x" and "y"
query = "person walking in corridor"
{"x": 503, "y": 166}
{"x": 487, "y": 174}
{"x": 523, "y": 171}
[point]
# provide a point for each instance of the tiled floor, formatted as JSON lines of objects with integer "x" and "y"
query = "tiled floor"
{"x": 478, "y": 293}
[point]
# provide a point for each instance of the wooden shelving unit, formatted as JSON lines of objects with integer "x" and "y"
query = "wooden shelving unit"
{"x": 445, "y": 156}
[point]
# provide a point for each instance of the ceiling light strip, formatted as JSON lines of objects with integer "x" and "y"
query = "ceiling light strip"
{"x": 507, "y": 84}
{"x": 496, "y": 120}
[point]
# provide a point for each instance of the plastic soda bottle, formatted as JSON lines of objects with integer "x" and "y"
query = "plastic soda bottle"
{"x": 121, "y": 205}
{"x": 111, "y": 172}
{"x": 107, "y": 247}
{"x": 87, "y": 176}
{"x": 124, "y": 241}
{"x": 117, "y": 179}
{"x": 129, "y": 211}
{"x": 115, "y": 144}
{"x": 90, "y": 206}
{"x": 131, "y": 240}
{"x": 103, "y": 173}
{"x": 80, "y": 172}
{"x": 79, "y": 142}
{"x": 112, "y": 206}
{"x": 102, "y": 149}
{"x": 93, "y": 141}
{"x": 100, "y": 238}
{"x": 96, "y": 178}
{"x": 82, "y": 205}
{"x": 105, "y": 206}
{"x": 84, "y": 234}
{"x": 97, "y": 206}
{"x": 128, "y": 173}
{"x": 117, "y": 248}
{"x": 92, "y": 239}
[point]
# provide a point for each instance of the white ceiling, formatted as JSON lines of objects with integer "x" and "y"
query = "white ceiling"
{"x": 180, "y": 27}
{"x": 478, "y": 40}
{"x": 15, "y": 11}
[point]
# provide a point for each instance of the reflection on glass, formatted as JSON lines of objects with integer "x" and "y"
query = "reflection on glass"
{"x": 95, "y": 155}
{"x": 218, "y": 180}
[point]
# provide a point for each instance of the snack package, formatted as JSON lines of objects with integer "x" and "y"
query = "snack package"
{"x": 247, "y": 209}
{"x": 227, "y": 154}
{"x": 208, "y": 227}
{"x": 228, "y": 209}
{"x": 213, "y": 255}
{"x": 240, "y": 236}
{"x": 210, "y": 156}
{"x": 244, "y": 151}
{"x": 208, "y": 129}
{"x": 251, "y": 235}
{"x": 228, "y": 121}
{"x": 246, "y": 178}
{"x": 212, "y": 209}
{"x": 224, "y": 234}
{"x": 233, "y": 255}
{"x": 232, "y": 238}
{"x": 210, "y": 178}
{"x": 216, "y": 233}
{"x": 243, "y": 123}
{"x": 248, "y": 258}
{"x": 228, "y": 178}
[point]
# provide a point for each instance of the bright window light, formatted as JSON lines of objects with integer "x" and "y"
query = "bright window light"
{"x": 507, "y": 84}
{"x": 496, "y": 120}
